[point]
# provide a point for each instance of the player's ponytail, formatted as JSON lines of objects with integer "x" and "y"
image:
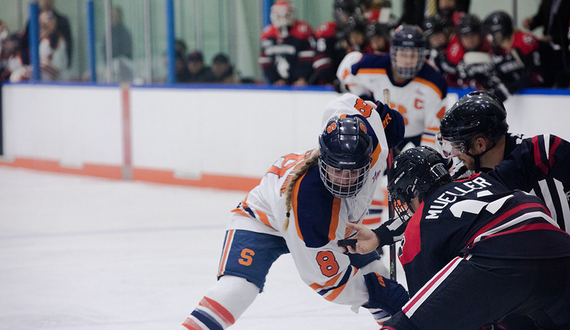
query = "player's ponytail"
{"x": 313, "y": 161}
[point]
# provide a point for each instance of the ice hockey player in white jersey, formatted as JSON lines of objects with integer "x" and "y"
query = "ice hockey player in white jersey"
{"x": 300, "y": 207}
{"x": 417, "y": 90}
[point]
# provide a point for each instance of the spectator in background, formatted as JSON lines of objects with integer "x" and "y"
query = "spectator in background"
{"x": 199, "y": 73}
{"x": 13, "y": 59}
{"x": 450, "y": 11}
{"x": 62, "y": 26}
{"x": 331, "y": 43}
{"x": 515, "y": 54}
{"x": 52, "y": 50}
{"x": 122, "y": 42}
{"x": 470, "y": 71}
{"x": 222, "y": 70}
{"x": 378, "y": 35}
{"x": 357, "y": 41}
{"x": 378, "y": 11}
{"x": 287, "y": 52}
{"x": 437, "y": 32}
{"x": 122, "y": 47}
{"x": 416, "y": 11}
{"x": 554, "y": 17}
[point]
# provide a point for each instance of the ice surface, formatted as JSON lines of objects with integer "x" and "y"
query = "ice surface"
{"x": 86, "y": 253}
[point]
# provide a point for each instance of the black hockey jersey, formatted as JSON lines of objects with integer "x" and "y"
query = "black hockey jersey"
{"x": 539, "y": 165}
{"x": 481, "y": 217}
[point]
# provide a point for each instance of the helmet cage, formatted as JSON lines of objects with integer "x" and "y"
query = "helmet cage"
{"x": 343, "y": 183}
{"x": 282, "y": 14}
{"x": 407, "y": 72}
{"x": 411, "y": 42}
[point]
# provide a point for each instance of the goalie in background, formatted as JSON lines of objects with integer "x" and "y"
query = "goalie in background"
{"x": 300, "y": 207}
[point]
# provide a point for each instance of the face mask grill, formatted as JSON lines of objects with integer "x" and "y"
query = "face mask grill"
{"x": 343, "y": 183}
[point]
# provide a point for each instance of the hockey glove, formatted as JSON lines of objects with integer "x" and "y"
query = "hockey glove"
{"x": 393, "y": 123}
{"x": 385, "y": 293}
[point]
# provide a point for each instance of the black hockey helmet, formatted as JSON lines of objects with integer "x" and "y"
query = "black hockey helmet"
{"x": 435, "y": 24}
{"x": 416, "y": 172}
{"x": 499, "y": 25}
{"x": 410, "y": 37}
{"x": 469, "y": 24}
{"x": 343, "y": 10}
{"x": 345, "y": 156}
{"x": 377, "y": 29}
{"x": 479, "y": 112}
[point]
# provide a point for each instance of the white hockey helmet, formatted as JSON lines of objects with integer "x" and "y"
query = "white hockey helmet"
{"x": 283, "y": 14}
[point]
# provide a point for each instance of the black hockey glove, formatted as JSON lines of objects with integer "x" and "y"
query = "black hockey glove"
{"x": 385, "y": 293}
{"x": 393, "y": 123}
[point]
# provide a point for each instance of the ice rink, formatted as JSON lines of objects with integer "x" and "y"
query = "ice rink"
{"x": 86, "y": 253}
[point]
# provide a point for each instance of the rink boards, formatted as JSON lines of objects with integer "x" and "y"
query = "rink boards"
{"x": 204, "y": 136}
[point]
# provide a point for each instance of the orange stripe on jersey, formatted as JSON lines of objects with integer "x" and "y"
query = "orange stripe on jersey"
{"x": 331, "y": 282}
{"x": 226, "y": 251}
{"x": 238, "y": 211}
{"x": 334, "y": 293}
{"x": 334, "y": 219}
{"x": 371, "y": 221}
{"x": 375, "y": 155}
{"x": 434, "y": 129}
{"x": 219, "y": 310}
{"x": 191, "y": 325}
{"x": 429, "y": 84}
{"x": 428, "y": 140}
{"x": 372, "y": 71}
{"x": 263, "y": 217}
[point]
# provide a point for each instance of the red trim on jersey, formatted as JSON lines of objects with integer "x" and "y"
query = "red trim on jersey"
{"x": 326, "y": 30}
{"x": 413, "y": 241}
{"x": 504, "y": 216}
{"x": 552, "y": 150}
{"x": 530, "y": 227}
{"x": 537, "y": 159}
{"x": 427, "y": 287}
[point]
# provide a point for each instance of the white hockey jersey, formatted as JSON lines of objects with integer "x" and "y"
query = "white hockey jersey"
{"x": 317, "y": 219}
{"x": 420, "y": 100}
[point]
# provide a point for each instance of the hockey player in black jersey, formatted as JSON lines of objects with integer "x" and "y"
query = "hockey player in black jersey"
{"x": 475, "y": 131}
{"x": 474, "y": 251}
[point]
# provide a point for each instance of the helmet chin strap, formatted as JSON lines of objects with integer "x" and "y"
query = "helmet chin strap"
{"x": 477, "y": 158}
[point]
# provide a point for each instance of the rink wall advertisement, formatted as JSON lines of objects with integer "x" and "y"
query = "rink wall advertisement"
{"x": 203, "y": 136}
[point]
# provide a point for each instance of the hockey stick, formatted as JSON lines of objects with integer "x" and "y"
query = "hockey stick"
{"x": 386, "y": 93}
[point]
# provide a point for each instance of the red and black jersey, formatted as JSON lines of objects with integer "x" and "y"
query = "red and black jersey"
{"x": 330, "y": 50}
{"x": 287, "y": 56}
{"x": 521, "y": 65}
{"x": 539, "y": 165}
{"x": 478, "y": 216}
{"x": 453, "y": 68}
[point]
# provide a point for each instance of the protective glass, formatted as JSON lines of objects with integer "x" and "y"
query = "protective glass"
{"x": 449, "y": 149}
{"x": 343, "y": 183}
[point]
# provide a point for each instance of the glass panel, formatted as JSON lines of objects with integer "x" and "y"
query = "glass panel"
{"x": 232, "y": 27}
